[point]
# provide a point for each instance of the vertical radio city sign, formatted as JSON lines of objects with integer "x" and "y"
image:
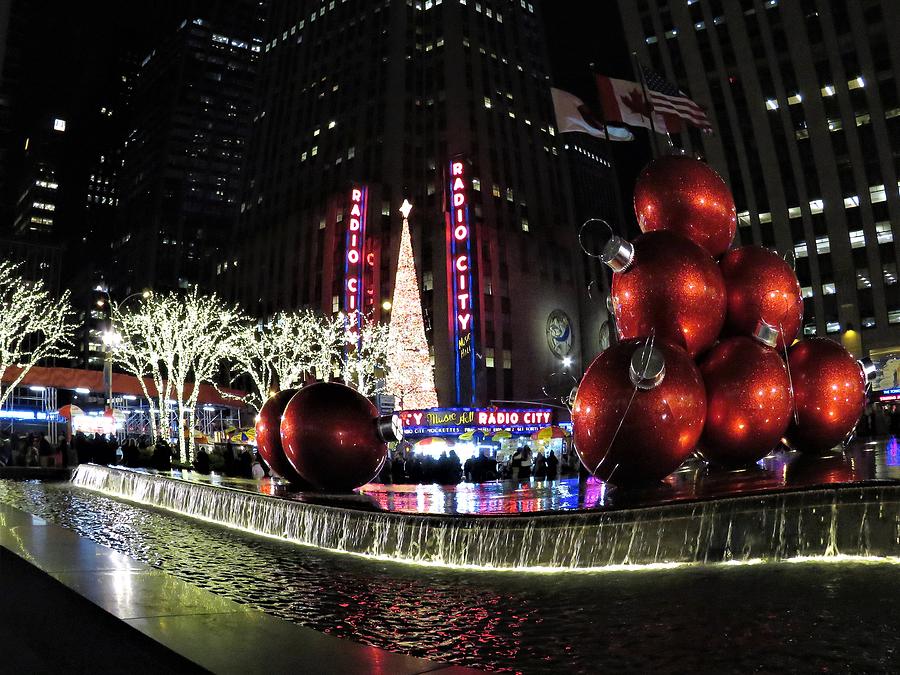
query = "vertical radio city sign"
{"x": 462, "y": 296}
{"x": 354, "y": 271}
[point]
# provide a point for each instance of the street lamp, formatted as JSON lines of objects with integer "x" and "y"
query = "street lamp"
{"x": 111, "y": 340}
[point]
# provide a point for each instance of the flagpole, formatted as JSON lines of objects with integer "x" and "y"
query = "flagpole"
{"x": 640, "y": 73}
{"x": 607, "y": 285}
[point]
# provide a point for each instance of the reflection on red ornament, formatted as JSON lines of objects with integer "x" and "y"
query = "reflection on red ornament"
{"x": 330, "y": 436}
{"x": 670, "y": 287}
{"x": 829, "y": 394}
{"x": 684, "y": 195}
{"x": 761, "y": 286}
{"x": 268, "y": 437}
{"x": 748, "y": 401}
{"x": 627, "y": 433}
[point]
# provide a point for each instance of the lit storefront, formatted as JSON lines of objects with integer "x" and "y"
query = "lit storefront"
{"x": 469, "y": 431}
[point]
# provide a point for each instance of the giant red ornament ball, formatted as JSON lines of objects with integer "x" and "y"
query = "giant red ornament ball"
{"x": 748, "y": 401}
{"x": 268, "y": 437}
{"x": 330, "y": 435}
{"x": 671, "y": 288}
{"x": 829, "y": 394}
{"x": 761, "y": 286}
{"x": 626, "y": 435}
{"x": 685, "y": 195}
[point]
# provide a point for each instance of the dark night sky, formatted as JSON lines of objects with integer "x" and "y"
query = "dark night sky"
{"x": 78, "y": 53}
{"x": 585, "y": 32}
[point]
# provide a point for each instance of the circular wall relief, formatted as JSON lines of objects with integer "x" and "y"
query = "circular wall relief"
{"x": 559, "y": 333}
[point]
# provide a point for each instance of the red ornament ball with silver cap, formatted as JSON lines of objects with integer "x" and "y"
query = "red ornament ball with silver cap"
{"x": 760, "y": 286}
{"x": 666, "y": 285}
{"x": 684, "y": 195}
{"x": 748, "y": 399}
{"x": 334, "y": 438}
{"x": 638, "y": 412}
{"x": 829, "y": 394}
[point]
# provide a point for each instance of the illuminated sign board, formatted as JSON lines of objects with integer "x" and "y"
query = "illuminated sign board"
{"x": 354, "y": 268}
{"x": 455, "y": 421}
{"x": 886, "y": 395}
{"x": 459, "y": 269}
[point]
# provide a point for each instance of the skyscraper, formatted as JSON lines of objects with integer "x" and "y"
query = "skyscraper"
{"x": 39, "y": 196}
{"x": 446, "y": 103}
{"x": 803, "y": 96}
{"x": 188, "y": 120}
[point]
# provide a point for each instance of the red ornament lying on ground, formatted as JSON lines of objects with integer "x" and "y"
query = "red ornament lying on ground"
{"x": 748, "y": 399}
{"x": 268, "y": 437}
{"x": 667, "y": 285}
{"x": 639, "y": 412}
{"x": 761, "y": 287}
{"x": 332, "y": 435}
{"x": 829, "y": 394}
{"x": 684, "y": 195}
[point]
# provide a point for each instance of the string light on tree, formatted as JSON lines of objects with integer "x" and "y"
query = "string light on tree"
{"x": 411, "y": 377}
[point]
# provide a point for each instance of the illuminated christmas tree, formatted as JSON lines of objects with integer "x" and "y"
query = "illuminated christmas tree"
{"x": 411, "y": 378}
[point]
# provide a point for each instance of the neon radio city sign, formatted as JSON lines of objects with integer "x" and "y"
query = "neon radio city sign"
{"x": 460, "y": 287}
{"x": 353, "y": 261}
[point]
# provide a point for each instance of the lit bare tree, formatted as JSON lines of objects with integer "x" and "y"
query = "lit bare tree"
{"x": 328, "y": 346}
{"x": 180, "y": 340}
{"x": 278, "y": 354}
{"x": 366, "y": 361}
{"x": 34, "y": 325}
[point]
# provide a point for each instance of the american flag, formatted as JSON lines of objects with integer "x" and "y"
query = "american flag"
{"x": 666, "y": 97}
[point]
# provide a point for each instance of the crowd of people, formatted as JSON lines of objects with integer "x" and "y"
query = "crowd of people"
{"x": 34, "y": 450}
{"x": 405, "y": 466}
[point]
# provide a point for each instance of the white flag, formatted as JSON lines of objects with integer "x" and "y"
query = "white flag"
{"x": 572, "y": 115}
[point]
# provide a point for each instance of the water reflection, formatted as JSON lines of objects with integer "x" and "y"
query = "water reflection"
{"x": 799, "y": 618}
{"x": 783, "y": 469}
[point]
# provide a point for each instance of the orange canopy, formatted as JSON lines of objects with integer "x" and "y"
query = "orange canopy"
{"x": 73, "y": 378}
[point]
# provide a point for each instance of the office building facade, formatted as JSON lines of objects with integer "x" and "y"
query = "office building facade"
{"x": 446, "y": 104}
{"x": 186, "y": 133}
{"x": 803, "y": 97}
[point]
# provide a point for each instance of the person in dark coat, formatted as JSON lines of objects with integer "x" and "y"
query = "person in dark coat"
{"x": 552, "y": 466}
{"x": 201, "y": 463}
{"x": 162, "y": 457}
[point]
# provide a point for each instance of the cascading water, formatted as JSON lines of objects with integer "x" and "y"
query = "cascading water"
{"x": 822, "y": 523}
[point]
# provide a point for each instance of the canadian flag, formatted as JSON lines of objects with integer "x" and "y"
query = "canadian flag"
{"x": 623, "y": 101}
{"x": 572, "y": 115}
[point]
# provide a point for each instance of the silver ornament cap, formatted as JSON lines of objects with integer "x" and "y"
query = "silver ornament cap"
{"x": 390, "y": 428}
{"x": 648, "y": 367}
{"x": 766, "y": 333}
{"x": 868, "y": 367}
{"x": 618, "y": 254}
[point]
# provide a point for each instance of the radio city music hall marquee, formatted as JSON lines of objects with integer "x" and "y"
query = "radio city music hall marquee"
{"x": 454, "y": 421}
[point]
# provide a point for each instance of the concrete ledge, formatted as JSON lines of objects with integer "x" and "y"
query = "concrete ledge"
{"x": 36, "y": 473}
{"x": 70, "y": 605}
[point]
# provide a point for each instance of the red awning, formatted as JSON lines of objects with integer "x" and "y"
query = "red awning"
{"x": 73, "y": 378}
